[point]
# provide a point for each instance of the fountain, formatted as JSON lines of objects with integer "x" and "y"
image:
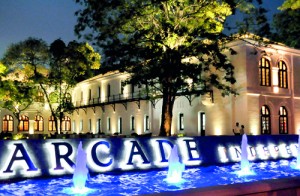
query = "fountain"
{"x": 245, "y": 164}
{"x": 175, "y": 168}
{"x": 148, "y": 181}
{"x": 80, "y": 174}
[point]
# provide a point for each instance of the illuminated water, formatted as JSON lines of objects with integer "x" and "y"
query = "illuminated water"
{"x": 136, "y": 183}
{"x": 175, "y": 168}
{"x": 245, "y": 164}
{"x": 80, "y": 174}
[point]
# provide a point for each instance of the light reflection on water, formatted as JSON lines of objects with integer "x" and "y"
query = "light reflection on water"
{"x": 136, "y": 183}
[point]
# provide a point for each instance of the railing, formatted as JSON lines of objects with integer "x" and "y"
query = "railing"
{"x": 119, "y": 98}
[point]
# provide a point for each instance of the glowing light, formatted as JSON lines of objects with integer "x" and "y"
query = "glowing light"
{"x": 245, "y": 172}
{"x": 275, "y": 79}
{"x": 18, "y": 165}
{"x": 222, "y": 154}
{"x": 284, "y": 150}
{"x": 103, "y": 154}
{"x": 245, "y": 165}
{"x": 138, "y": 161}
{"x": 262, "y": 151}
{"x": 175, "y": 168}
{"x": 77, "y": 191}
{"x": 67, "y": 169}
{"x": 188, "y": 149}
{"x": 81, "y": 172}
{"x": 157, "y": 154}
{"x": 274, "y": 150}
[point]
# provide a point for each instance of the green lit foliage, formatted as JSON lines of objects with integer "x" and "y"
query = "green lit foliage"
{"x": 69, "y": 65}
{"x": 174, "y": 47}
{"x": 23, "y": 61}
{"x": 290, "y": 4}
{"x": 32, "y": 67}
{"x": 16, "y": 96}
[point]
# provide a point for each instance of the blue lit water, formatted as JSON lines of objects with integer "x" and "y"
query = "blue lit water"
{"x": 145, "y": 182}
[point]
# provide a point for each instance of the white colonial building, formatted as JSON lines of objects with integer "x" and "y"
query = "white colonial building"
{"x": 268, "y": 101}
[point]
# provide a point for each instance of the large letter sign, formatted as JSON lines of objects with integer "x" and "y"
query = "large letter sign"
{"x": 94, "y": 154}
{"x": 24, "y": 157}
{"x": 139, "y": 152}
{"x": 65, "y": 156}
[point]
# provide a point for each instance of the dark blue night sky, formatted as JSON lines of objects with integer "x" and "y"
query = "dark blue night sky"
{"x": 46, "y": 19}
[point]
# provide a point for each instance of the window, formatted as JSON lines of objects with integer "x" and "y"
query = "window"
{"x": 132, "y": 123}
{"x": 265, "y": 120}
{"x": 51, "y": 124}
{"x": 8, "y": 123}
{"x": 38, "y": 123}
{"x": 99, "y": 92}
{"x": 66, "y": 124}
{"x": 132, "y": 88}
{"x": 264, "y": 72}
{"x": 40, "y": 97}
{"x": 282, "y": 75}
{"x": 108, "y": 124}
{"x": 201, "y": 123}
{"x": 99, "y": 130}
{"x": 147, "y": 123}
{"x": 120, "y": 125}
{"x": 90, "y": 94}
{"x": 181, "y": 123}
{"x": 24, "y": 123}
{"x": 283, "y": 121}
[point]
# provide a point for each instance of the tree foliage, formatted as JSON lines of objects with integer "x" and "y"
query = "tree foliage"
{"x": 287, "y": 28}
{"x": 32, "y": 66}
{"x": 174, "y": 47}
{"x": 25, "y": 64}
{"x": 290, "y": 4}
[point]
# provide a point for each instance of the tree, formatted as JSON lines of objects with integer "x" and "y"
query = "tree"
{"x": 25, "y": 62}
{"x": 54, "y": 70}
{"x": 173, "y": 47}
{"x": 69, "y": 65}
{"x": 16, "y": 96}
{"x": 290, "y": 4}
{"x": 287, "y": 28}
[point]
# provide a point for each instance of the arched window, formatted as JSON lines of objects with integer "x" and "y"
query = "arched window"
{"x": 282, "y": 75}
{"x": 8, "y": 123}
{"x": 264, "y": 72}
{"x": 24, "y": 123}
{"x": 38, "y": 123}
{"x": 265, "y": 120}
{"x": 51, "y": 124}
{"x": 283, "y": 120}
{"x": 66, "y": 124}
{"x": 40, "y": 97}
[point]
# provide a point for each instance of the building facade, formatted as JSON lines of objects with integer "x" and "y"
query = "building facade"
{"x": 268, "y": 101}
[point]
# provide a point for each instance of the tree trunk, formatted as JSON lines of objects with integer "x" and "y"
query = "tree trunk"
{"x": 167, "y": 112}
